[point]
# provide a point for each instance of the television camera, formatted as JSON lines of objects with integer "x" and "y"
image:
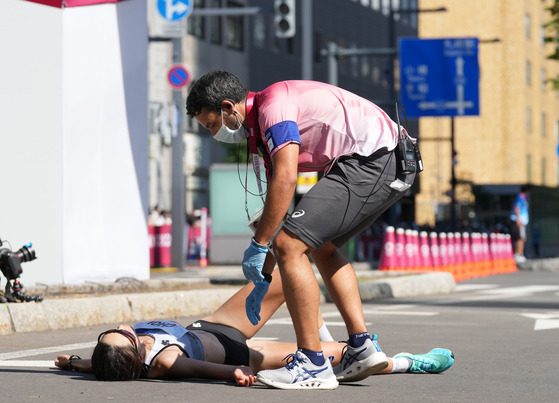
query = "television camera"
{"x": 10, "y": 265}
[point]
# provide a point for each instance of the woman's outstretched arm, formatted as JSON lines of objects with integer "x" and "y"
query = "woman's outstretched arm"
{"x": 78, "y": 364}
{"x": 169, "y": 365}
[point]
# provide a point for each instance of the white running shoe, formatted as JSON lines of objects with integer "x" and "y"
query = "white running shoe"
{"x": 360, "y": 362}
{"x": 300, "y": 373}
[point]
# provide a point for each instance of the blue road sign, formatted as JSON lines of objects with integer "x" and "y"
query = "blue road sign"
{"x": 439, "y": 77}
{"x": 178, "y": 76}
{"x": 174, "y": 10}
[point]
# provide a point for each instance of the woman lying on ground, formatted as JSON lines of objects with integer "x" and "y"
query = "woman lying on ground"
{"x": 218, "y": 346}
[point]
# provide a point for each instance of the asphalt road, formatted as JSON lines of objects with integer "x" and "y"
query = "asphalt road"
{"x": 504, "y": 332}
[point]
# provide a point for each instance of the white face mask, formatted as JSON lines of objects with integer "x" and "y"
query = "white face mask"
{"x": 227, "y": 135}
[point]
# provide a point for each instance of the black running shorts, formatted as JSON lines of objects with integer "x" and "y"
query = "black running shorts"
{"x": 232, "y": 340}
{"x": 347, "y": 200}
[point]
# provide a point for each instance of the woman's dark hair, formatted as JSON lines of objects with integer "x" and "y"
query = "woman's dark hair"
{"x": 116, "y": 363}
{"x": 212, "y": 88}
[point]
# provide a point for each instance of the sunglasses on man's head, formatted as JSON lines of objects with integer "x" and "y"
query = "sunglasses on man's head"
{"x": 130, "y": 336}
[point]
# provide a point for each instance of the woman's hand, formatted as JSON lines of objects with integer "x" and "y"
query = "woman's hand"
{"x": 62, "y": 361}
{"x": 244, "y": 376}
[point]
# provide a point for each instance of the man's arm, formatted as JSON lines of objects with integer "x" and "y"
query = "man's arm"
{"x": 280, "y": 191}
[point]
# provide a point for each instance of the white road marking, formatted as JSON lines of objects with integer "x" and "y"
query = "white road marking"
{"x": 511, "y": 292}
{"x": 520, "y": 291}
{"x": 341, "y": 324}
{"x": 392, "y": 310}
{"x": 24, "y": 363}
{"x": 399, "y": 313}
{"x": 492, "y": 293}
{"x": 46, "y": 350}
{"x": 544, "y": 321}
{"x": 287, "y": 321}
{"x": 474, "y": 287}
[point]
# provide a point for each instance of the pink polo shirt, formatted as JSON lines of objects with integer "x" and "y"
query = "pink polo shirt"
{"x": 332, "y": 122}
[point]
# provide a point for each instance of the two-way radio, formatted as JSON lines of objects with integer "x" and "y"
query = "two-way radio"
{"x": 408, "y": 151}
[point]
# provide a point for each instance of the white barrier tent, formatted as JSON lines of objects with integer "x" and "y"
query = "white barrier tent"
{"x": 74, "y": 138}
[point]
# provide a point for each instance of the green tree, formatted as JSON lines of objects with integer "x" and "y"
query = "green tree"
{"x": 552, "y": 36}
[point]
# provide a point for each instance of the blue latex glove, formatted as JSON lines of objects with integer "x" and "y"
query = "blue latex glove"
{"x": 254, "y": 300}
{"x": 253, "y": 261}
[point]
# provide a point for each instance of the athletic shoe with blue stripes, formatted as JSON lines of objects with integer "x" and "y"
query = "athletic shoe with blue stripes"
{"x": 435, "y": 361}
{"x": 300, "y": 373}
{"x": 359, "y": 362}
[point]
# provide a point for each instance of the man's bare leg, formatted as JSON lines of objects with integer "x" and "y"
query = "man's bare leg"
{"x": 363, "y": 356}
{"x": 341, "y": 282}
{"x": 300, "y": 289}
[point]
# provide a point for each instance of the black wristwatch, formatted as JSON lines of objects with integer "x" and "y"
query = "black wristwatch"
{"x": 267, "y": 277}
{"x": 73, "y": 357}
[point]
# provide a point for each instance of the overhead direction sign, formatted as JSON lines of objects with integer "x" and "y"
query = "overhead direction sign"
{"x": 174, "y": 10}
{"x": 439, "y": 77}
{"x": 178, "y": 76}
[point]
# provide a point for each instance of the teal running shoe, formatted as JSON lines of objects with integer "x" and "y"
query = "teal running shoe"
{"x": 435, "y": 361}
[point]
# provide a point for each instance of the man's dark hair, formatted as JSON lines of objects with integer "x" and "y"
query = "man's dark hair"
{"x": 116, "y": 363}
{"x": 525, "y": 188}
{"x": 212, "y": 88}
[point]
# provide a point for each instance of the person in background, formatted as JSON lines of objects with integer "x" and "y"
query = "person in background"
{"x": 520, "y": 218}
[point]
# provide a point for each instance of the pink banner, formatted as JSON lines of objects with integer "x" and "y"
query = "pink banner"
{"x": 71, "y": 3}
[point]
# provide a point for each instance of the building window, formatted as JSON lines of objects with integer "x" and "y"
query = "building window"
{"x": 377, "y": 69}
{"x": 354, "y": 63}
{"x": 542, "y": 79}
{"x": 195, "y": 25}
{"x": 527, "y": 25}
{"x": 528, "y": 73}
{"x": 317, "y": 47}
{"x": 413, "y": 16}
{"x": 365, "y": 66}
{"x": 542, "y": 34}
{"x": 259, "y": 31}
{"x": 234, "y": 29}
{"x": 215, "y": 24}
{"x": 386, "y": 7}
{"x": 528, "y": 120}
{"x": 290, "y": 46}
{"x": 543, "y": 125}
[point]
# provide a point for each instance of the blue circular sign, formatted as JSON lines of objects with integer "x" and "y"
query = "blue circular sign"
{"x": 178, "y": 76}
{"x": 174, "y": 10}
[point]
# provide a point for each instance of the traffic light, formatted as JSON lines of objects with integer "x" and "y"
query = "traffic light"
{"x": 284, "y": 19}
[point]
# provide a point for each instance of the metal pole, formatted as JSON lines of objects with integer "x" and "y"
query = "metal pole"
{"x": 178, "y": 194}
{"x": 331, "y": 50}
{"x": 452, "y": 178}
{"x": 306, "y": 40}
{"x": 391, "y": 44}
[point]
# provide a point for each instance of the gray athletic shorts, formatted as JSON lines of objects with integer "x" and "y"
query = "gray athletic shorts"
{"x": 347, "y": 200}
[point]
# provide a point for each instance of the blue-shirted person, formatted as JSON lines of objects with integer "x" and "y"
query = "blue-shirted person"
{"x": 520, "y": 218}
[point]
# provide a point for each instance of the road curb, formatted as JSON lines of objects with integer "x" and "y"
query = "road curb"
{"x": 52, "y": 314}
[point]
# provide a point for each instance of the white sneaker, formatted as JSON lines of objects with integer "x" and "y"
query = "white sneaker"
{"x": 519, "y": 258}
{"x": 358, "y": 363}
{"x": 300, "y": 373}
